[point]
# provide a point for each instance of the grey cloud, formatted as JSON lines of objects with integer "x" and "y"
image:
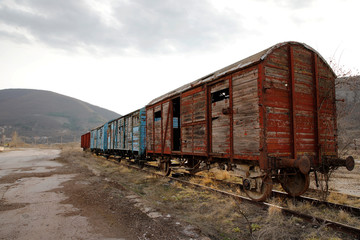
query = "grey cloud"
{"x": 146, "y": 26}
{"x": 293, "y": 4}
{"x": 14, "y": 36}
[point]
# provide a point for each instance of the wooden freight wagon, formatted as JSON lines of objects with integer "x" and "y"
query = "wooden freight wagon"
{"x": 271, "y": 115}
{"x": 126, "y": 135}
{"x": 98, "y": 140}
{"x": 85, "y": 141}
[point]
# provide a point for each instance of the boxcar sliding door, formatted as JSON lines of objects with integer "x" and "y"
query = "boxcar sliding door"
{"x": 220, "y": 117}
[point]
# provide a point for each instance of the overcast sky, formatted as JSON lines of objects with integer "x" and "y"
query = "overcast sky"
{"x": 120, "y": 54}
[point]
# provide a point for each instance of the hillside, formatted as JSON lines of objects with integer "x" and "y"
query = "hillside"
{"x": 348, "y": 110}
{"x": 46, "y": 116}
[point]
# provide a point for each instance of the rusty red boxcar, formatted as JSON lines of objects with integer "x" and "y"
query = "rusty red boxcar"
{"x": 272, "y": 116}
{"x": 85, "y": 141}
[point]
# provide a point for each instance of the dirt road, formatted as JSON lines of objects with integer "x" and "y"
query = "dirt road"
{"x": 30, "y": 208}
{"x": 38, "y": 196}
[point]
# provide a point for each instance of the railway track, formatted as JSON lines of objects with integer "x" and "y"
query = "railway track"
{"x": 355, "y": 211}
{"x": 350, "y": 230}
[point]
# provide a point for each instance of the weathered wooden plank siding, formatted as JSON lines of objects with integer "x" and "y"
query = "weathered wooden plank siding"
{"x": 220, "y": 122}
{"x": 166, "y": 128}
{"x": 187, "y": 139}
{"x": 193, "y": 125}
{"x": 119, "y": 135}
{"x": 111, "y": 138}
{"x": 157, "y": 134}
{"x": 293, "y": 125}
{"x": 135, "y": 131}
{"x": 149, "y": 129}
{"x": 186, "y": 109}
{"x": 128, "y": 144}
{"x": 142, "y": 130}
{"x": 123, "y": 134}
{"x": 93, "y": 139}
{"x": 277, "y": 97}
{"x": 246, "y": 128}
{"x": 199, "y": 138}
{"x": 304, "y": 105}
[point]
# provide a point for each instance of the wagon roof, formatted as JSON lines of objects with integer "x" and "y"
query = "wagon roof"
{"x": 246, "y": 62}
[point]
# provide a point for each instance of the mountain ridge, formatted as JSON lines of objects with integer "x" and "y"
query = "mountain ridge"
{"x": 47, "y": 115}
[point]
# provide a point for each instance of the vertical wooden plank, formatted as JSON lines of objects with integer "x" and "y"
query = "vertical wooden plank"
{"x": 171, "y": 124}
{"x": 193, "y": 121}
{"x": 317, "y": 110}
{"x": 231, "y": 120}
{"x": 293, "y": 102}
{"x": 150, "y": 129}
{"x": 153, "y": 133}
{"x": 263, "y": 163}
{"x": 179, "y": 122}
{"x": 130, "y": 134}
{"x": 166, "y": 128}
{"x": 208, "y": 120}
{"x": 161, "y": 132}
{"x": 158, "y": 128}
{"x": 245, "y": 113}
{"x": 142, "y": 142}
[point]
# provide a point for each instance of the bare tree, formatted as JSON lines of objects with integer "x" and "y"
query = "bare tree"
{"x": 348, "y": 105}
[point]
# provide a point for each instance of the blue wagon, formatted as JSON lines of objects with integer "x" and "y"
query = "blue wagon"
{"x": 126, "y": 136}
{"x": 98, "y": 139}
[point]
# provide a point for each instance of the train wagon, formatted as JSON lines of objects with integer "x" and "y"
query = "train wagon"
{"x": 126, "y": 135}
{"x": 85, "y": 141}
{"x": 98, "y": 139}
{"x": 271, "y": 116}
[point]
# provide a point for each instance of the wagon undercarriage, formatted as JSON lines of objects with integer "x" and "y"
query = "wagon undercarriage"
{"x": 293, "y": 175}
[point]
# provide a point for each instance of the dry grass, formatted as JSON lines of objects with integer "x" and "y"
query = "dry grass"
{"x": 276, "y": 201}
{"x": 221, "y": 174}
{"x": 340, "y": 216}
{"x": 338, "y": 198}
{"x": 304, "y": 207}
{"x": 343, "y": 199}
{"x": 343, "y": 216}
{"x": 217, "y": 216}
{"x": 321, "y": 212}
{"x": 274, "y": 212}
{"x": 206, "y": 179}
{"x": 276, "y": 226}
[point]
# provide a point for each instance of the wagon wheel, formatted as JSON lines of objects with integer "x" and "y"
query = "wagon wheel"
{"x": 262, "y": 191}
{"x": 165, "y": 167}
{"x": 295, "y": 184}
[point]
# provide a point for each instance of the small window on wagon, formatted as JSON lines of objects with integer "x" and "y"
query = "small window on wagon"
{"x": 157, "y": 116}
{"x": 220, "y": 95}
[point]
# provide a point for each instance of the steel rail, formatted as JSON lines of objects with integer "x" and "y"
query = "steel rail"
{"x": 313, "y": 201}
{"x": 316, "y": 202}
